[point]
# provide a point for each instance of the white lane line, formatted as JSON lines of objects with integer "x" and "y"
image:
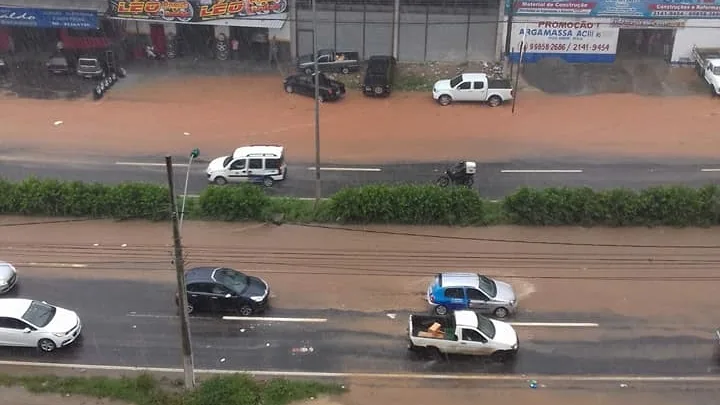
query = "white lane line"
{"x": 62, "y": 265}
{"x": 541, "y": 171}
{"x": 136, "y": 315}
{"x": 272, "y": 319}
{"x": 294, "y": 198}
{"x": 348, "y": 169}
{"x": 396, "y": 376}
{"x": 710, "y": 170}
{"x": 557, "y": 324}
{"x": 149, "y": 164}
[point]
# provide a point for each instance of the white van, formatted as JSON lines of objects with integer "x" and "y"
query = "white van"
{"x": 264, "y": 163}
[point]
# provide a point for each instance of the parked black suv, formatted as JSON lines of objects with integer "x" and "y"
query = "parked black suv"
{"x": 222, "y": 290}
{"x": 60, "y": 64}
{"x": 379, "y": 76}
{"x": 304, "y": 84}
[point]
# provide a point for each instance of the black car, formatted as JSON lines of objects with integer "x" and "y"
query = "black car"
{"x": 379, "y": 76}
{"x": 304, "y": 84}
{"x": 224, "y": 290}
{"x": 60, "y": 64}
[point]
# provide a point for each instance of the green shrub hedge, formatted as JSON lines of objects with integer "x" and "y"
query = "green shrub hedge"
{"x": 403, "y": 204}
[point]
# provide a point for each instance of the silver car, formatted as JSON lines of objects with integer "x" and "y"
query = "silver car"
{"x": 460, "y": 291}
{"x": 717, "y": 345}
{"x": 8, "y": 277}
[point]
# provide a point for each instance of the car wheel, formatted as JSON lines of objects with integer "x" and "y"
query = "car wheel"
{"x": 268, "y": 182}
{"x": 443, "y": 181}
{"x": 501, "y": 313}
{"x": 46, "y": 345}
{"x": 220, "y": 181}
{"x": 288, "y": 89}
{"x": 378, "y": 90}
{"x": 345, "y": 70}
{"x": 435, "y": 354}
{"x": 308, "y": 71}
{"x": 245, "y": 310}
{"x": 494, "y": 101}
{"x": 441, "y": 310}
{"x": 444, "y": 100}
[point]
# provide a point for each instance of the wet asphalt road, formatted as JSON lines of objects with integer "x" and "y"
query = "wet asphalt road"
{"x": 492, "y": 180}
{"x": 130, "y": 323}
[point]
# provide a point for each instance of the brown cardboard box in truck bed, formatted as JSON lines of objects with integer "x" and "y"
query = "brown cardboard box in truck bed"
{"x": 435, "y": 327}
{"x": 431, "y": 335}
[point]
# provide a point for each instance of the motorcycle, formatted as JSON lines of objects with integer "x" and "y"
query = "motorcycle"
{"x": 152, "y": 54}
{"x": 462, "y": 174}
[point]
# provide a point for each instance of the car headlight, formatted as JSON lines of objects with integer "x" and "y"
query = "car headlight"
{"x": 257, "y": 298}
{"x": 3, "y": 282}
{"x": 60, "y": 334}
{"x": 515, "y": 346}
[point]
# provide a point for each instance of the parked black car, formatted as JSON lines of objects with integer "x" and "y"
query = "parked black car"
{"x": 379, "y": 76}
{"x": 223, "y": 290}
{"x": 60, "y": 64}
{"x": 304, "y": 84}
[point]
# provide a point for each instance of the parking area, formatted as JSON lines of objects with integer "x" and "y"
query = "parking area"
{"x": 29, "y": 78}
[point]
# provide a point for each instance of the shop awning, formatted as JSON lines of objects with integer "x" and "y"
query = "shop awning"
{"x": 99, "y": 6}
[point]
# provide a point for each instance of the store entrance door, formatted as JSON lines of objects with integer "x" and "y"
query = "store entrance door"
{"x": 646, "y": 43}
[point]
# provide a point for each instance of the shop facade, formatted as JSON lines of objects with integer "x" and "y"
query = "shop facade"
{"x": 605, "y": 30}
{"x": 29, "y": 30}
{"x": 198, "y": 27}
{"x": 410, "y": 30}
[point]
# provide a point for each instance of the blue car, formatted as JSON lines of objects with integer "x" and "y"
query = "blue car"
{"x": 459, "y": 291}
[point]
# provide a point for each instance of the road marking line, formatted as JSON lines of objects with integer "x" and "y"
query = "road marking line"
{"x": 396, "y": 376}
{"x": 63, "y": 265}
{"x": 149, "y": 164}
{"x": 710, "y": 170}
{"x": 348, "y": 169}
{"x": 272, "y": 319}
{"x": 136, "y": 315}
{"x": 541, "y": 171}
{"x": 556, "y": 324}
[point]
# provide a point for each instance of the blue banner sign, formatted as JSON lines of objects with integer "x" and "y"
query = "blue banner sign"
{"x": 683, "y": 9}
{"x": 39, "y": 18}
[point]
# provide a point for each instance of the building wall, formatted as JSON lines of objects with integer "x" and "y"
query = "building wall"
{"x": 701, "y": 33}
{"x": 425, "y": 33}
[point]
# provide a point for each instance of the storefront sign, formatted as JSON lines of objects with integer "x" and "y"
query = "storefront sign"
{"x": 40, "y": 18}
{"x": 573, "y": 40}
{"x": 646, "y": 23}
{"x": 194, "y": 11}
{"x": 618, "y": 8}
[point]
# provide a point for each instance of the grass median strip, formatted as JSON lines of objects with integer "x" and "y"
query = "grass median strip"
{"x": 374, "y": 204}
{"x": 235, "y": 389}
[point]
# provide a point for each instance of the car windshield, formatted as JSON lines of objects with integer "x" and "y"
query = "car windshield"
{"x": 88, "y": 63}
{"x": 227, "y": 161}
{"x": 486, "y": 326}
{"x": 488, "y": 286}
{"x": 232, "y": 279}
{"x": 456, "y": 80}
{"x": 39, "y": 314}
{"x": 716, "y": 71}
{"x": 378, "y": 67}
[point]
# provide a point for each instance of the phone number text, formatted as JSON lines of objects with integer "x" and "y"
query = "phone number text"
{"x": 560, "y": 47}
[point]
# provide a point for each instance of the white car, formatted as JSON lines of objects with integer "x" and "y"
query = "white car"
{"x": 8, "y": 277}
{"x": 31, "y": 323}
{"x": 261, "y": 163}
{"x": 473, "y": 87}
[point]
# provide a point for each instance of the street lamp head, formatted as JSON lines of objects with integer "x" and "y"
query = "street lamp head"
{"x": 195, "y": 153}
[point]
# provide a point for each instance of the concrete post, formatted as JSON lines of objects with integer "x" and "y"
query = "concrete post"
{"x": 292, "y": 14}
{"x": 396, "y": 29}
{"x": 500, "y": 36}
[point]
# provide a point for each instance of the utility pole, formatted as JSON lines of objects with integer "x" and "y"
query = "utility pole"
{"x": 318, "y": 184}
{"x": 188, "y": 365}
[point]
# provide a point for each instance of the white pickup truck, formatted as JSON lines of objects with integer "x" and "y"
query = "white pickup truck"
{"x": 707, "y": 64}
{"x": 473, "y": 87}
{"x": 464, "y": 333}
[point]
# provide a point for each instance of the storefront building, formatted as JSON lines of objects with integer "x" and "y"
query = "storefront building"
{"x": 410, "y": 30}
{"x": 197, "y": 24}
{"x": 33, "y": 29}
{"x": 604, "y": 30}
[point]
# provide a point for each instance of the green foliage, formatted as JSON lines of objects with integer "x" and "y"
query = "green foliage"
{"x": 668, "y": 205}
{"x": 380, "y": 204}
{"x": 76, "y": 199}
{"x": 233, "y": 203}
{"x": 408, "y": 204}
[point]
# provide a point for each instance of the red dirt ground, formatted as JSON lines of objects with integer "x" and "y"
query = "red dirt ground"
{"x": 222, "y": 113}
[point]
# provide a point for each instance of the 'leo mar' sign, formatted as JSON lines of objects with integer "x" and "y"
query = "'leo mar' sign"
{"x": 193, "y": 11}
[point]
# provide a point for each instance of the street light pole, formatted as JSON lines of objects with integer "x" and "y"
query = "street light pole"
{"x": 188, "y": 366}
{"x": 318, "y": 187}
{"x": 194, "y": 154}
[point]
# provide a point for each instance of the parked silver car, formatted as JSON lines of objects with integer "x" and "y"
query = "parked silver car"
{"x": 8, "y": 277}
{"x": 460, "y": 291}
{"x": 717, "y": 345}
{"x": 90, "y": 68}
